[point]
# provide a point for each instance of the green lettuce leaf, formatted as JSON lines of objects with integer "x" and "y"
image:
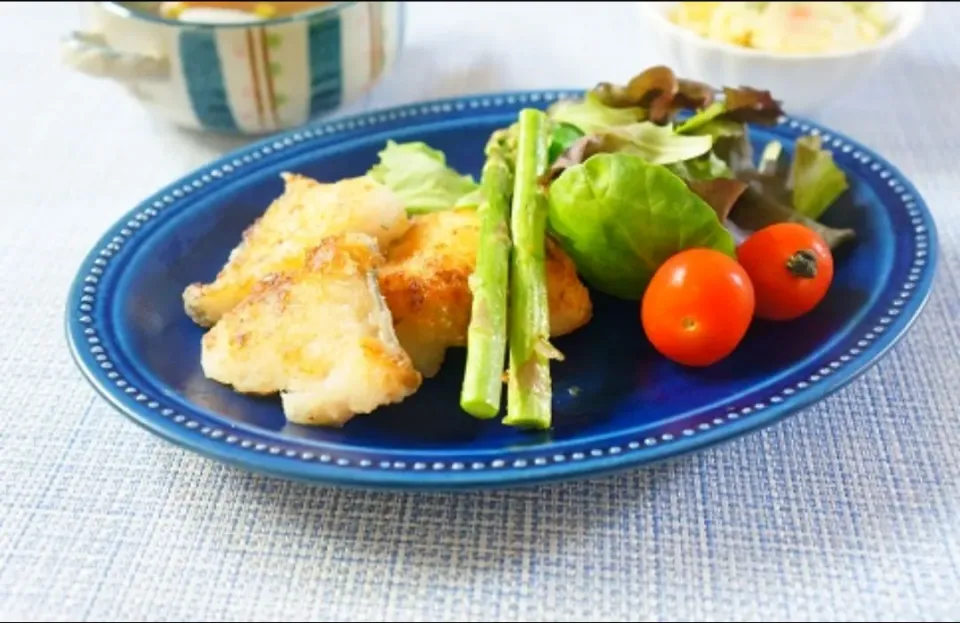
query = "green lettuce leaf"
{"x": 712, "y": 180}
{"x": 767, "y": 197}
{"x": 709, "y": 166}
{"x": 815, "y": 179}
{"x": 562, "y": 136}
{"x": 655, "y": 144}
{"x": 620, "y": 217}
{"x": 720, "y": 129}
{"x": 582, "y": 149}
{"x": 743, "y": 105}
{"x": 470, "y": 200}
{"x": 592, "y": 116}
{"x": 706, "y": 174}
{"x": 419, "y": 175}
{"x": 701, "y": 118}
{"x": 809, "y": 183}
{"x": 660, "y": 144}
{"x": 756, "y": 209}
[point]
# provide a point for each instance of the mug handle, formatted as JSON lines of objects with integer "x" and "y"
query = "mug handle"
{"x": 90, "y": 53}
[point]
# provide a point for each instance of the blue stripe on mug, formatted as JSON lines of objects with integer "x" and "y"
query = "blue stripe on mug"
{"x": 326, "y": 67}
{"x": 200, "y": 64}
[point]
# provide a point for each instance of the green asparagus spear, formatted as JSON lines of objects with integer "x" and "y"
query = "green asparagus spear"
{"x": 529, "y": 392}
{"x": 487, "y": 333}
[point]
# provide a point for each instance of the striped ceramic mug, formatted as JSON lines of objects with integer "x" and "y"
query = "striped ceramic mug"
{"x": 241, "y": 78}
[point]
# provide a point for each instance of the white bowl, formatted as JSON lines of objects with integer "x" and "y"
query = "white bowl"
{"x": 802, "y": 82}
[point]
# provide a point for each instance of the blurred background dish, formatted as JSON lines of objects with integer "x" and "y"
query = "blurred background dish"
{"x": 240, "y": 67}
{"x": 807, "y": 53}
{"x": 787, "y": 27}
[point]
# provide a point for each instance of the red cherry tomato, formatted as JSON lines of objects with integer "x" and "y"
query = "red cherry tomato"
{"x": 697, "y": 307}
{"x": 791, "y": 268}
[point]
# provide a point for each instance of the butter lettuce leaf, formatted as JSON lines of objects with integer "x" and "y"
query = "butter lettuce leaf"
{"x": 419, "y": 175}
{"x": 816, "y": 181}
{"x": 707, "y": 175}
{"x": 591, "y": 116}
{"x": 702, "y": 118}
{"x": 620, "y": 217}
{"x": 582, "y": 149}
{"x": 706, "y": 167}
{"x": 660, "y": 144}
{"x": 655, "y": 144}
{"x": 562, "y": 137}
{"x": 630, "y": 131}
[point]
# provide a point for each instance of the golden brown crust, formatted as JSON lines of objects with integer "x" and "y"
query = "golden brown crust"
{"x": 320, "y": 335}
{"x": 294, "y": 224}
{"x": 330, "y": 323}
{"x": 426, "y": 283}
{"x": 569, "y": 300}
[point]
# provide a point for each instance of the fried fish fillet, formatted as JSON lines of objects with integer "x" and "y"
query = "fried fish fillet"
{"x": 321, "y": 336}
{"x": 306, "y": 213}
{"x": 425, "y": 282}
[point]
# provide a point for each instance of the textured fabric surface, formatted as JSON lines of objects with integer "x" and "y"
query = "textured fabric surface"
{"x": 848, "y": 511}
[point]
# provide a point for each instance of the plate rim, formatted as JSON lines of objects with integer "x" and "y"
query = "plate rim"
{"x": 453, "y": 475}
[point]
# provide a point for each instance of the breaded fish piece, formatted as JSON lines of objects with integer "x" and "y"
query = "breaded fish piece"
{"x": 426, "y": 285}
{"x": 321, "y": 336}
{"x": 293, "y": 224}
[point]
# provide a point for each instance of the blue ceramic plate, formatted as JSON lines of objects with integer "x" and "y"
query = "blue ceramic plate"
{"x": 130, "y": 337}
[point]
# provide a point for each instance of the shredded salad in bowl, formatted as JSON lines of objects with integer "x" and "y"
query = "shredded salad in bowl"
{"x": 786, "y": 27}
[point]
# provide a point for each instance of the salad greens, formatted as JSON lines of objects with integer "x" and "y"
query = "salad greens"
{"x": 561, "y": 138}
{"x": 419, "y": 175}
{"x": 620, "y": 217}
{"x": 743, "y": 105}
{"x": 651, "y": 142}
{"x": 815, "y": 180}
{"x": 756, "y": 209}
{"x": 658, "y": 92}
{"x": 592, "y": 116}
{"x": 621, "y": 183}
{"x": 748, "y": 105}
{"x": 771, "y": 190}
{"x": 720, "y": 193}
{"x": 659, "y": 144}
{"x": 646, "y": 139}
{"x": 709, "y": 166}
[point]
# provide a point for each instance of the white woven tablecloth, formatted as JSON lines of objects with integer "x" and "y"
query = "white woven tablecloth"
{"x": 849, "y": 511}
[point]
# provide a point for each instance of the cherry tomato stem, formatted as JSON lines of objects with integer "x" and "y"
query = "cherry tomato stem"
{"x": 790, "y": 267}
{"x": 803, "y": 264}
